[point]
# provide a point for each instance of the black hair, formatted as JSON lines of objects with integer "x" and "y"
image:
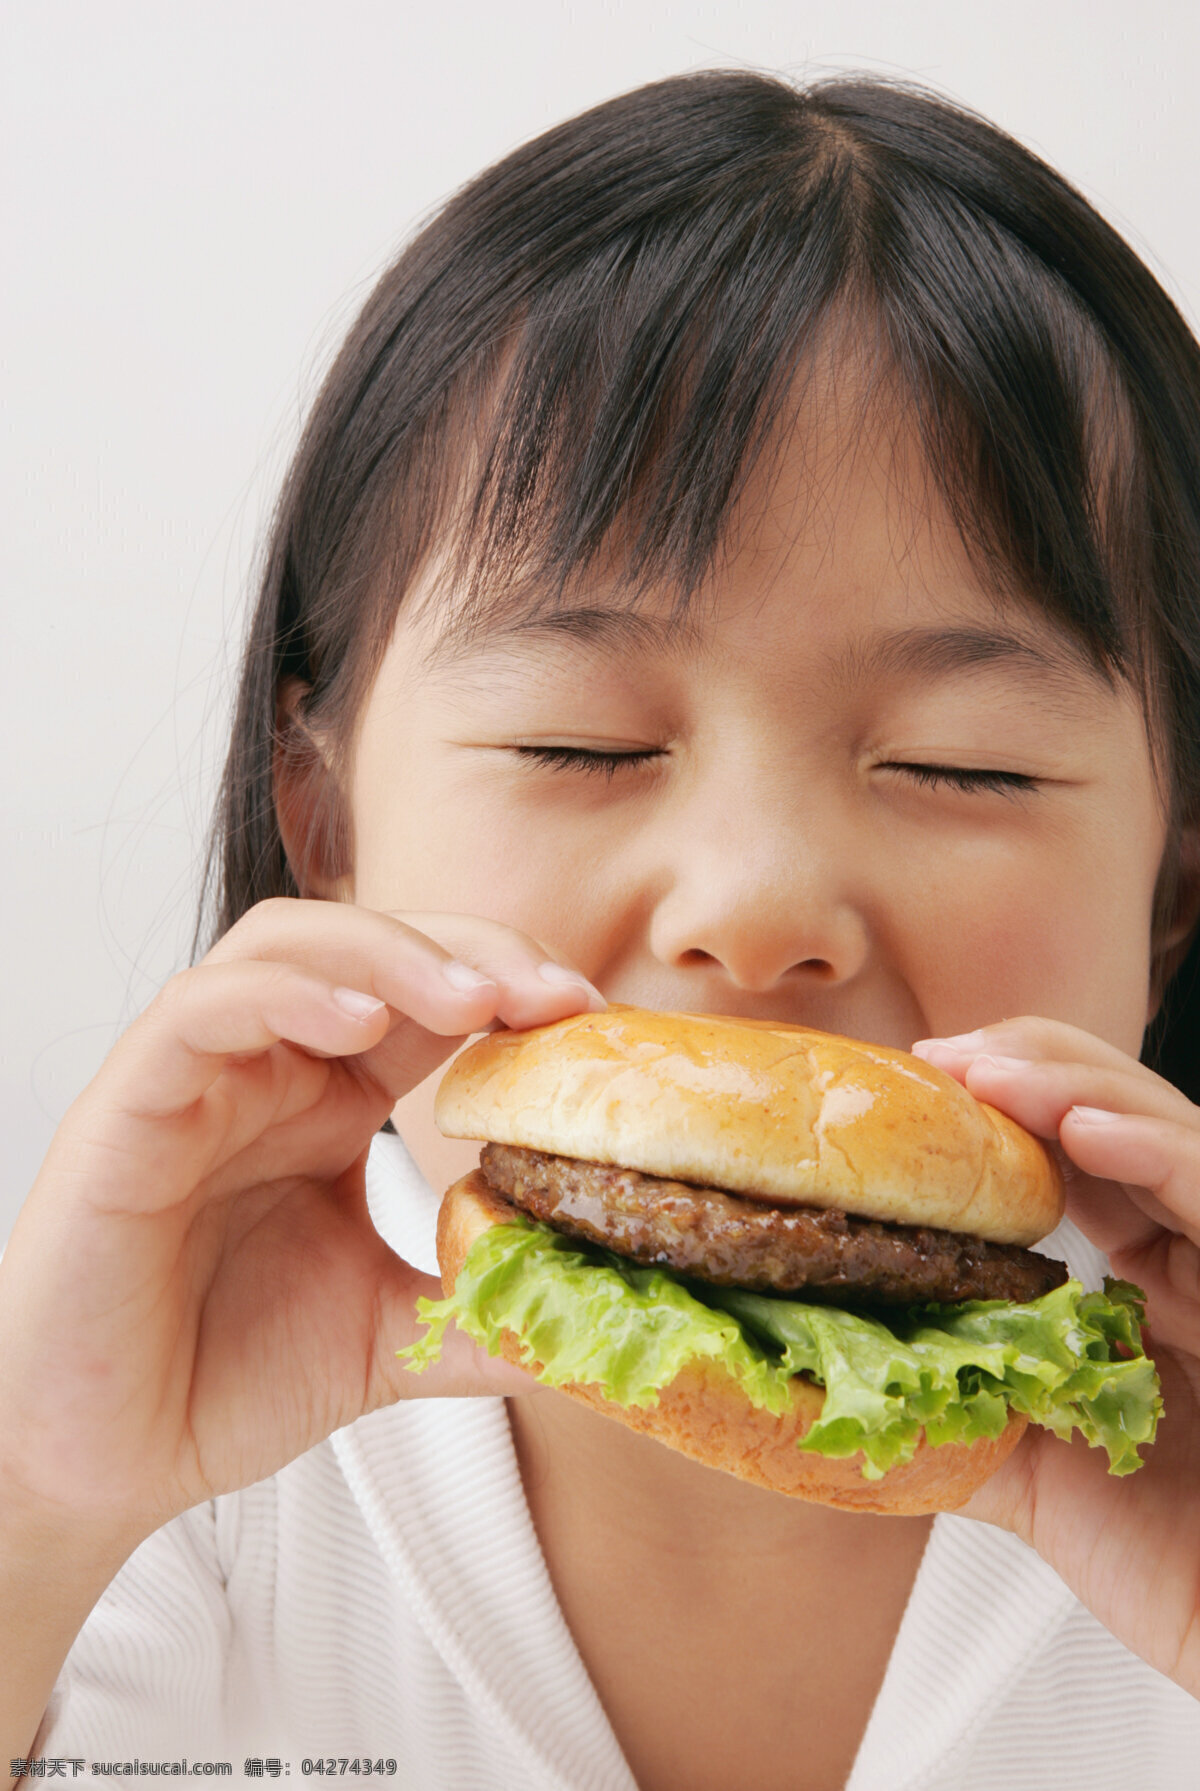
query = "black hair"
{"x": 599, "y": 336}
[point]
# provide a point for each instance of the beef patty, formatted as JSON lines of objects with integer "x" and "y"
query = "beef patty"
{"x": 733, "y": 1242}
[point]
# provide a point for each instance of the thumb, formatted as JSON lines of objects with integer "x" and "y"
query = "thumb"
{"x": 462, "y": 1368}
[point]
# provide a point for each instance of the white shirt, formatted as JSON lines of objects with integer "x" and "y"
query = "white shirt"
{"x": 385, "y": 1597}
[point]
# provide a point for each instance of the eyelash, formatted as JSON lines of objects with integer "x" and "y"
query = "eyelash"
{"x": 958, "y": 777}
{"x": 582, "y": 758}
{"x": 607, "y": 764}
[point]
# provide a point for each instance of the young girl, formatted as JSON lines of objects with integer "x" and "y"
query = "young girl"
{"x": 745, "y": 559}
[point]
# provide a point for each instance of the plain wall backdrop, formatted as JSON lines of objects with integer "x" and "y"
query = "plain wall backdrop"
{"x": 196, "y": 199}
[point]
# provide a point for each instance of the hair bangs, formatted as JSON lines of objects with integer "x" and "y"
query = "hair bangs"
{"x": 634, "y": 400}
{"x": 636, "y": 392}
{"x": 1026, "y": 428}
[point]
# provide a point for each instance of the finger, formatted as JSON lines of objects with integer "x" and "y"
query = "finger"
{"x": 536, "y": 984}
{"x": 1037, "y": 1093}
{"x": 492, "y": 973}
{"x": 1151, "y": 1234}
{"x": 1133, "y": 1142}
{"x": 1026, "y": 1036}
{"x": 209, "y": 1015}
{"x": 463, "y": 1367}
{"x": 1158, "y": 1156}
{"x": 1115, "y": 1216}
{"x": 1043, "y": 1097}
{"x": 467, "y": 1369}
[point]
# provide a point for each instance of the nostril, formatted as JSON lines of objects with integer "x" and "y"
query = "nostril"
{"x": 747, "y": 976}
{"x": 819, "y": 968}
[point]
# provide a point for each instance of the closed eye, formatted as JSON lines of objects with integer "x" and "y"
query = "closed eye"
{"x": 960, "y": 777}
{"x": 594, "y": 761}
{"x": 589, "y": 760}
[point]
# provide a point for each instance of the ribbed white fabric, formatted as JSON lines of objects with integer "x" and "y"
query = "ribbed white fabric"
{"x": 385, "y": 1595}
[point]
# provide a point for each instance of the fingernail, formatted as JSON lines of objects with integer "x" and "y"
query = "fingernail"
{"x": 356, "y": 1004}
{"x": 1095, "y": 1116}
{"x": 467, "y": 981}
{"x": 938, "y": 1051}
{"x": 956, "y": 1047}
{"x": 559, "y": 977}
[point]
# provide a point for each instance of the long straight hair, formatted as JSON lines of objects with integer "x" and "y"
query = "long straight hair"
{"x": 598, "y": 338}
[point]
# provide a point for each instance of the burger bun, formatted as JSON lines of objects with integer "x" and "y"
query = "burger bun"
{"x": 776, "y": 1113}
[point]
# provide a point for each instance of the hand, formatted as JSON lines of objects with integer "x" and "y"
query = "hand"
{"x": 1130, "y": 1142}
{"x": 194, "y": 1292}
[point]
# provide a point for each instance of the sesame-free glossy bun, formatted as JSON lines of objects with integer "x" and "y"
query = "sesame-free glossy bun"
{"x": 777, "y": 1113}
{"x": 705, "y": 1414}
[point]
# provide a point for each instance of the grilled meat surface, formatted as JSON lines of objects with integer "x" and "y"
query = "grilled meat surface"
{"x": 730, "y": 1241}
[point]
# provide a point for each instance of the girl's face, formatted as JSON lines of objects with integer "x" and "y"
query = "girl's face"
{"x": 855, "y": 790}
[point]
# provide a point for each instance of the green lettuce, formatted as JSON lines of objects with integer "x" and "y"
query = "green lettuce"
{"x": 1069, "y": 1361}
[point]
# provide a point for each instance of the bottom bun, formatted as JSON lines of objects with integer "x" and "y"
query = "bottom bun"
{"x": 705, "y": 1414}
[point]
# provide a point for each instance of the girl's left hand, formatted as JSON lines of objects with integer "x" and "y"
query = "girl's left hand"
{"x": 1128, "y": 1548}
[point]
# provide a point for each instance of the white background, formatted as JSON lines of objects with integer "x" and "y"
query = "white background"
{"x": 196, "y": 200}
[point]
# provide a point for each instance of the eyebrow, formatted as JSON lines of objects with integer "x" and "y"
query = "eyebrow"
{"x": 927, "y": 653}
{"x": 933, "y": 652}
{"x": 608, "y": 631}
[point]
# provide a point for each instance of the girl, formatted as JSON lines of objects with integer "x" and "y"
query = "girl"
{"x": 745, "y": 559}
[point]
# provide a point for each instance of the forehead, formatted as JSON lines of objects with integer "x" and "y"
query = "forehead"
{"x": 840, "y": 543}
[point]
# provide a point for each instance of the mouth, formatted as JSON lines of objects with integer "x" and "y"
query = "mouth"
{"x": 798, "y": 1002}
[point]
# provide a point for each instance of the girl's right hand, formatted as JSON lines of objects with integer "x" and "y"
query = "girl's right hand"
{"x": 194, "y": 1292}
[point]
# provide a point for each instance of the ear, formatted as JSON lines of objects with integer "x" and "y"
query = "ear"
{"x": 313, "y": 823}
{"x": 1177, "y": 925}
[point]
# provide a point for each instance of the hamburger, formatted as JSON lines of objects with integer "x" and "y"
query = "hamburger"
{"x": 799, "y": 1258}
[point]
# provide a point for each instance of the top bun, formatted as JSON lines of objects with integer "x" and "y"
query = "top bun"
{"x": 774, "y": 1112}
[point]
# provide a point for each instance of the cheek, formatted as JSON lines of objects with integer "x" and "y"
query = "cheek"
{"x": 448, "y": 849}
{"x": 418, "y": 848}
{"x": 1065, "y": 936}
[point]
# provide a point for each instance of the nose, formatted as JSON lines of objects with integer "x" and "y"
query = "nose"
{"x": 766, "y": 897}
